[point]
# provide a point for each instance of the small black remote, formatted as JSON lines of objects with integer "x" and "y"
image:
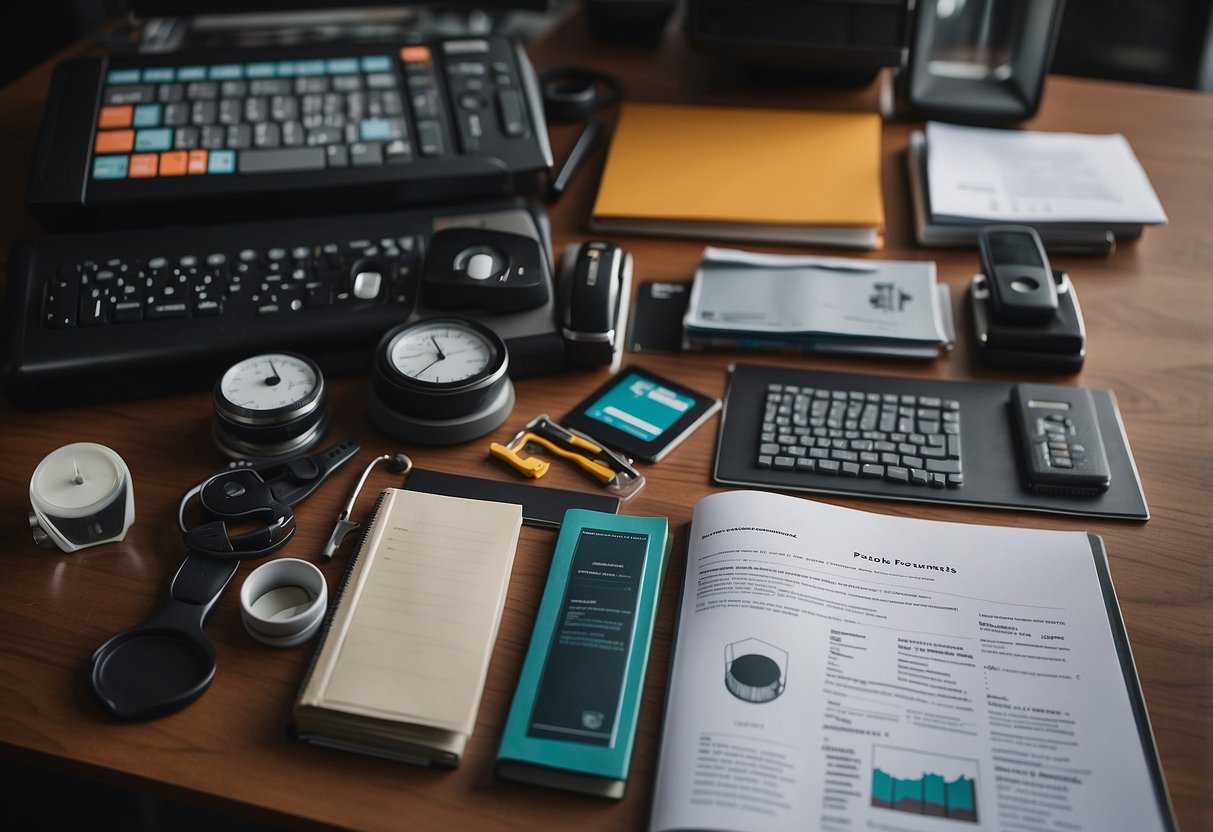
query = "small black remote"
{"x": 1060, "y": 445}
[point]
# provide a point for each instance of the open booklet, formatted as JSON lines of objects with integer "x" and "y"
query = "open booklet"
{"x": 840, "y": 670}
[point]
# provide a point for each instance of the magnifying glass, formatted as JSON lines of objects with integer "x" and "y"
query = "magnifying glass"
{"x": 166, "y": 662}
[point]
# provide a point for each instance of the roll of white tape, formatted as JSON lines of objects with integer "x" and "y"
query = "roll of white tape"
{"x": 282, "y": 602}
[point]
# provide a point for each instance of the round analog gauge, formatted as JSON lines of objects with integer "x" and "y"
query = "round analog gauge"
{"x": 269, "y": 406}
{"x": 440, "y": 381}
{"x": 443, "y": 353}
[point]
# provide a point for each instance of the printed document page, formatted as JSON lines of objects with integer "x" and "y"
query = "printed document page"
{"x": 840, "y": 670}
{"x": 1028, "y": 176}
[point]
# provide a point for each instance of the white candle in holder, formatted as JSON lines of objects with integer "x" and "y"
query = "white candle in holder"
{"x": 81, "y": 495}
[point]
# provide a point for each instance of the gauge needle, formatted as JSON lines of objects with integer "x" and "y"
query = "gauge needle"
{"x": 275, "y": 378}
{"x": 438, "y": 349}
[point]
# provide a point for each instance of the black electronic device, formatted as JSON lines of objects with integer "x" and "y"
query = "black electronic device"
{"x": 979, "y": 62}
{"x": 846, "y": 41}
{"x": 131, "y": 314}
{"x": 218, "y": 135}
{"x": 639, "y": 22}
{"x": 497, "y": 271}
{"x": 1025, "y": 314}
{"x": 771, "y": 436}
{"x": 1018, "y": 274}
{"x": 1060, "y": 445}
{"x": 595, "y": 292}
{"x": 641, "y": 413}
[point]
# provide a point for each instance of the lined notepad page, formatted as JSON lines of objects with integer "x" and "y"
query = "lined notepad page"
{"x": 415, "y": 629}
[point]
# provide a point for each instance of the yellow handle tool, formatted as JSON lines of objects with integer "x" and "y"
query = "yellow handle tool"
{"x": 533, "y": 467}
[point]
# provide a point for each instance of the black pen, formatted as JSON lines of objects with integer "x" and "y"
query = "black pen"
{"x": 586, "y": 142}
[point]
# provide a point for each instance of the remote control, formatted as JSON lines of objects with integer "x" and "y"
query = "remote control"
{"x": 1059, "y": 440}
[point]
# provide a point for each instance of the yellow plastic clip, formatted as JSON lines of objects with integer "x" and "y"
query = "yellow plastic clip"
{"x": 610, "y": 469}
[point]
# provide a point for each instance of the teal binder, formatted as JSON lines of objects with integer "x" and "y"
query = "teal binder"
{"x": 572, "y": 723}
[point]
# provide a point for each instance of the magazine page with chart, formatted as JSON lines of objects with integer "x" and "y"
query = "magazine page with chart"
{"x": 840, "y": 670}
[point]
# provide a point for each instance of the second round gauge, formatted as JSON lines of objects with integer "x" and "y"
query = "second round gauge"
{"x": 269, "y": 406}
{"x": 440, "y": 381}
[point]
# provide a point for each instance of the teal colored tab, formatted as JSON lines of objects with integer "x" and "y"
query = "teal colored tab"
{"x": 146, "y": 115}
{"x": 159, "y": 75}
{"x": 261, "y": 70}
{"x": 310, "y": 67}
{"x": 226, "y": 72}
{"x": 286, "y": 69}
{"x": 123, "y": 76}
{"x": 221, "y": 161}
{"x": 341, "y": 66}
{"x": 376, "y": 63}
{"x": 110, "y": 167}
{"x": 374, "y": 129}
{"x": 147, "y": 141}
{"x": 191, "y": 73}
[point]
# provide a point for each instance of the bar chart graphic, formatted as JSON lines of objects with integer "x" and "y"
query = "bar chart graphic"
{"x": 922, "y": 783}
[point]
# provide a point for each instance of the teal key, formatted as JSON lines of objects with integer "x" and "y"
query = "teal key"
{"x": 110, "y": 167}
{"x": 147, "y": 141}
{"x": 146, "y": 115}
{"x": 376, "y": 63}
{"x": 259, "y": 70}
{"x": 374, "y": 130}
{"x": 227, "y": 72}
{"x": 191, "y": 73}
{"x": 309, "y": 67}
{"x": 123, "y": 76}
{"x": 342, "y": 66}
{"x": 159, "y": 75}
{"x": 221, "y": 161}
{"x": 286, "y": 69}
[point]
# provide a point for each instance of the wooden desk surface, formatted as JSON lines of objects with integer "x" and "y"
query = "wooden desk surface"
{"x": 1149, "y": 311}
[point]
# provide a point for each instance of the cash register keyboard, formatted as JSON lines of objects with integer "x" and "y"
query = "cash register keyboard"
{"x": 212, "y": 136}
{"x": 256, "y": 117}
{"x": 898, "y": 438}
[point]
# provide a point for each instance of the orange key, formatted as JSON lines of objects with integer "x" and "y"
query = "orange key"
{"x": 143, "y": 165}
{"x": 116, "y": 115}
{"x": 115, "y": 141}
{"x": 409, "y": 54}
{"x": 197, "y": 162}
{"x": 172, "y": 163}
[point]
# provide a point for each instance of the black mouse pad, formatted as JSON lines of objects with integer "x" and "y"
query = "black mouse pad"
{"x": 990, "y": 458}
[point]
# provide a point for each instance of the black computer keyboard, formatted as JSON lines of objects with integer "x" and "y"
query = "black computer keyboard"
{"x": 209, "y": 136}
{"x": 898, "y": 438}
{"x": 131, "y": 314}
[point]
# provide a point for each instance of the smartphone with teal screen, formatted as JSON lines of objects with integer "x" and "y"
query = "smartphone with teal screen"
{"x": 641, "y": 413}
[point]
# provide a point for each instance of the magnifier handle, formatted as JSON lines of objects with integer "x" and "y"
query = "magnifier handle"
{"x": 200, "y": 580}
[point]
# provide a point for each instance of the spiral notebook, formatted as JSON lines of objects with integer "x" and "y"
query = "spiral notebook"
{"x": 403, "y": 657}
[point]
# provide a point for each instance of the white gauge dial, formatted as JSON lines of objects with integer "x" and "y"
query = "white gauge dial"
{"x": 442, "y": 353}
{"x": 269, "y": 382}
{"x": 440, "y": 381}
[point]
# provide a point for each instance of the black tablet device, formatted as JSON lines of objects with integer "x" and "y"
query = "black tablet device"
{"x": 641, "y": 414}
